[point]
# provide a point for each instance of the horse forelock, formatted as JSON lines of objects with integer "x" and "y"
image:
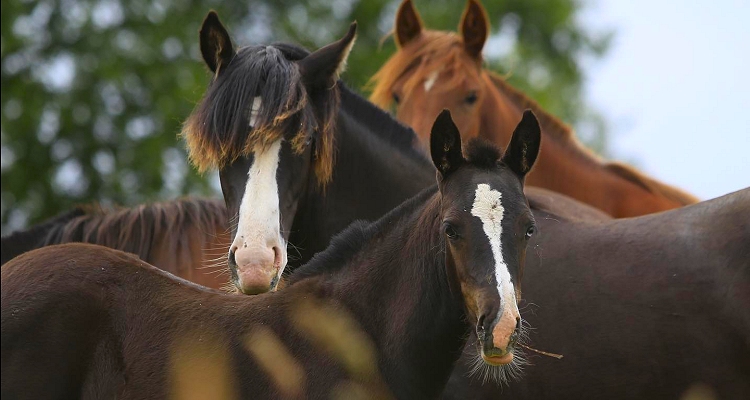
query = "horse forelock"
{"x": 218, "y": 131}
{"x": 433, "y": 48}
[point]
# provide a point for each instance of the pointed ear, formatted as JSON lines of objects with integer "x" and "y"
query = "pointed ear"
{"x": 445, "y": 145}
{"x": 474, "y": 28}
{"x": 524, "y": 145}
{"x": 216, "y": 45}
{"x": 321, "y": 68}
{"x": 408, "y": 23}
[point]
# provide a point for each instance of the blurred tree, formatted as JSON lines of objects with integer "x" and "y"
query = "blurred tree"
{"x": 94, "y": 91}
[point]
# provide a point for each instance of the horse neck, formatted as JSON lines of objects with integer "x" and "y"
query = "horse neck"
{"x": 564, "y": 165}
{"x": 370, "y": 178}
{"x": 399, "y": 286}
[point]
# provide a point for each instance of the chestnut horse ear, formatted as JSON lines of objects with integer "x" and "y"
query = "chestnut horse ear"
{"x": 524, "y": 145}
{"x": 216, "y": 45}
{"x": 321, "y": 68}
{"x": 474, "y": 28}
{"x": 445, "y": 145}
{"x": 408, "y": 23}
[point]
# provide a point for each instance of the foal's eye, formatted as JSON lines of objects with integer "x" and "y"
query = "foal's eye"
{"x": 396, "y": 98}
{"x": 471, "y": 98}
{"x": 450, "y": 231}
{"x": 530, "y": 232}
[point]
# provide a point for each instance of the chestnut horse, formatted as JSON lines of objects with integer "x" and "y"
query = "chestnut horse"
{"x": 91, "y": 322}
{"x": 433, "y": 70}
{"x": 187, "y": 237}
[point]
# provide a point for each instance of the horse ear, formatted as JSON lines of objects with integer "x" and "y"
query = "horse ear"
{"x": 408, "y": 23}
{"x": 524, "y": 145}
{"x": 445, "y": 145}
{"x": 474, "y": 27}
{"x": 321, "y": 68}
{"x": 216, "y": 45}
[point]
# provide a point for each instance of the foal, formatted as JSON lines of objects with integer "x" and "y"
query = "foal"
{"x": 93, "y": 322}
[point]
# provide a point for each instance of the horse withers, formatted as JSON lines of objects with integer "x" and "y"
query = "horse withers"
{"x": 433, "y": 70}
{"x": 93, "y": 322}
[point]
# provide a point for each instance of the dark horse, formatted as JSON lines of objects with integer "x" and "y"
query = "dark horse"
{"x": 270, "y": 121}
{"x": 87, "y": 321}
{"x": 376, "y": 167}
{"x": 641, "y": 308}
{"x": 187, "y": 237}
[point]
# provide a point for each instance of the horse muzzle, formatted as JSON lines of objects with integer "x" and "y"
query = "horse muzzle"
{"x": 256, "y": 270}
{"x": 498, "y": 339}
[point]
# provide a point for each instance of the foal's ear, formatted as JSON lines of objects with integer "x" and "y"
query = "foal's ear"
{"x": 408, "y": 23}
{"x": 445, "y": 145}
{"x": 321, "y": 69}
{"x": 216, "y": 45}
{"x": 524, "y": 145}
{"x": 474, "y": 27}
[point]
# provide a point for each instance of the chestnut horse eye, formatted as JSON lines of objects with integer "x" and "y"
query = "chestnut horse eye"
{"x": 396, "y": 98}
{"x": 471, "y": 98}
{"x": 530, "y": 232}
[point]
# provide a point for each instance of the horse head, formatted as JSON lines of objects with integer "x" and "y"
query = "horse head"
{"x": 266, "y": 124}
{"x": 487, "y": 225}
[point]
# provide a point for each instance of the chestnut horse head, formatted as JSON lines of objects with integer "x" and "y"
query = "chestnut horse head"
{"x": 436, "y": 70}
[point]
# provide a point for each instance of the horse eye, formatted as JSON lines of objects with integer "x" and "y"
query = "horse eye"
{"x": 471, "y": 98}
{"x": 396, "y": 98}
{"x": 530, "y": 232}
{"x": 450, "y": 231}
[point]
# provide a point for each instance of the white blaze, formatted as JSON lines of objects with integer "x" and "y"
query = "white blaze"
{"x": 489, "y": 208}
{"x": 430, "y": 81}
{"x": 259, "y": 220}
{"x": 254, "y": 110}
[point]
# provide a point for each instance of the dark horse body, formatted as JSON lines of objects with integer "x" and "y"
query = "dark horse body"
{"x": 645, "y": 307}
{"x": 85, "y": 321}
{"x": 187, "y": 237}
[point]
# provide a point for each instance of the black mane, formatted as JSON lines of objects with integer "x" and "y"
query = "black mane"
{"x": 382, "y": 124}
{"x": 22, "y": 241}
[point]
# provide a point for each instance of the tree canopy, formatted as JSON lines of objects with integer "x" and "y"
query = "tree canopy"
{"x": 94, "y": 91}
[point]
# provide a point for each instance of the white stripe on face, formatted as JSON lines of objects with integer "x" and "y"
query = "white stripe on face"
{"x": 259, "y": 220}
{"x": 430, "y": 81}
{"x": 254, "y": 110}
{"x": 489, "y": 208}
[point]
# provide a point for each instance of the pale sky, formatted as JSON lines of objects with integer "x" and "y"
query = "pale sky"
{"x": 676, "y": 85}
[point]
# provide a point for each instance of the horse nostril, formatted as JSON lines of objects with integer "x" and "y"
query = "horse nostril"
{"x": 231, "y": 260}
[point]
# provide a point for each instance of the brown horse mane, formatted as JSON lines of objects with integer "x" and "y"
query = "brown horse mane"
{"x": 446, "y": 48}
{"x": 218, "y": 131}
{"x": 136, "y": 229}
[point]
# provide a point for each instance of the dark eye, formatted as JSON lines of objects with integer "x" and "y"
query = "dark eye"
{"x": 530, "y": 232}
{"x": 396, "y": 98}
{"x": 450, "y": 231}
{"x": 471, "y": 98}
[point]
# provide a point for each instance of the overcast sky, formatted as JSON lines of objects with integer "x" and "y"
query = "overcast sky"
{"x": 676, "y": 85}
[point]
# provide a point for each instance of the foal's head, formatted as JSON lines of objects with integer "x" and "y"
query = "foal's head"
{"x": 435, "y": 70}
{"x": 266, "y": 122}
{"x": 487, "y": 223}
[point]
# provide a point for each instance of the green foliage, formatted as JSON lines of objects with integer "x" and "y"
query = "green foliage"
{"x": 94, "y": 92}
